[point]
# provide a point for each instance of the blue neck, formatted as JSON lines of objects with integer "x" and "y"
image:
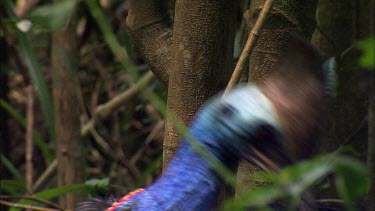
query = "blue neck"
{"x": 189, "y": 182}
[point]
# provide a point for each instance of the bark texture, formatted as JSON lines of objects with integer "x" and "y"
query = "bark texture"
{"x": 70, "y": 152}
{"x": 149, "y": 26}
{"x": 287, "y": 18}
{"x": 194, "y": 59}
{"x": 338, "y": 32}
{"x": 203, "y": 40}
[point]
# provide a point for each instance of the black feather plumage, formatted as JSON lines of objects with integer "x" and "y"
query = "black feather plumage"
{"x": 95, "y": 204}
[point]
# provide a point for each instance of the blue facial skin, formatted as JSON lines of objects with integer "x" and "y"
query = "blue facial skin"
{"x": 223, "y": 127}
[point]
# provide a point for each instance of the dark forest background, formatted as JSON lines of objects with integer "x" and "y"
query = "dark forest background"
{"x": 84, "y": 88}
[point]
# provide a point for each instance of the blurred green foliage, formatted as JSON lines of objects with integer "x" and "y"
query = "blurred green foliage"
{"x": 350, "y": 176}
{"x": 367, "y": 59}
{"x": 51, "y": 17}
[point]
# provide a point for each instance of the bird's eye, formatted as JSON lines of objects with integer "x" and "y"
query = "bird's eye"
{"x": 269, "y": 133}
{"x": 227, "y": 110}
{"x": 268, "y": 140}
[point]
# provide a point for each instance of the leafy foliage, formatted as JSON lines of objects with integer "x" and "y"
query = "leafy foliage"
{"x": 48, "y": 18}
{"x": 27, "y": 52}
{"x": 351, "y": 178}
{"x": 367, "y": 46}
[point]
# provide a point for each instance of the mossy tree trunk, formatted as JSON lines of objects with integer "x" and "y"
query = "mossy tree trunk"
{"x": 341, "y": 24}
{"x": 286, "y": 19}
{"x": 70, "y": 154}
{"x": 193, "y": 60}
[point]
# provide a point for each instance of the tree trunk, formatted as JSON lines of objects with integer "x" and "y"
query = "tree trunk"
{"x": 203, "y": 40}
{"x": 286, "y": 19}
{"x": 194, "y": 60}
{"x": 70, "y": 152}
{"x": 338, "y": 31}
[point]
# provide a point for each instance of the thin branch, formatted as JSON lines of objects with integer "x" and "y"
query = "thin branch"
{"x": 159, "y": 126}
{"x": 46, "y": 202}
{"x": 250, "y": 44}
{"x": 101, "y": 142}
{"x": 132, "y": 168}
{"x": 29, "y": 139}
{"x": 46, "y": 175}
{"x": 26, "y": 206}
{"x": 350, "y": 136}
{"x": 104, "y": 110}
{"x": 104, "y": 74}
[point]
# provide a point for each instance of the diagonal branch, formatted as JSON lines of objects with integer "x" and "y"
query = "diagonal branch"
{"x": 250, "y": 44}
{"x": 104, "y": 110}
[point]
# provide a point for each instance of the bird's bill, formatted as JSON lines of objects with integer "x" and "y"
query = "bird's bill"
{"x": 257, "y": 158}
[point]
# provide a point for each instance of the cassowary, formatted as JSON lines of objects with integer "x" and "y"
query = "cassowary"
{"x": 271, "y": 125}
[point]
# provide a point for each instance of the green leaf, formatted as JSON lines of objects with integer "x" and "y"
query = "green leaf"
{"x": 13, "y": 187}
{"x": 12, "y": 169}
{"x": 51, "y": 193}
{"x": 96, "y": 187}
{"x": 257, "y": 197}
{"x": 53, "y": 16}
{"x": 306, "y": 173}
{"x": 290, "y": 183}
{"x": 110, "y": 38}
{"x": 367, "y": 59}
{"x": 55, "y": 192}
{"x": 47, "y": 154}
{"x": 352, "y": 180}
{"x": 29, "y": 56}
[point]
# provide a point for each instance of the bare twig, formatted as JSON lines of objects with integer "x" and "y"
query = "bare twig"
{"x": 25, "y": 206}
{"x": 45, "y": 176}
{"x": 104, "y": 75}
{"x": 104, "y": 110}
{"x": 46, "y": 202}
{"x": 159, "y": 126}
{"x": 349, "y": 137}
{"x": 101, "y": 142}
{"x": 126, "y": 162}
{"x": 250, "y": 44}
{"x": 29, "y": 139}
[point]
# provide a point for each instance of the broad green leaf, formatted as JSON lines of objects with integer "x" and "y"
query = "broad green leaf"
{"x": 28, "y": 54}
{"x": 110, "y": 38}
{"x": 257, "y": 197}
{"x": 51, "y": 193}
{"x": 47, "y": 154}
{"x": 352, "y": 180}
{"x": 11, "y": 168}
{"x": 367, "y": 59}
{"x": 52, "y": 17}
{"x": 290, "y": 183}
{"x": 306, "y": 172}
{"x": 96, "y": 187}
{"x": 13, "y": 187}
{"x": 55, "y": 192}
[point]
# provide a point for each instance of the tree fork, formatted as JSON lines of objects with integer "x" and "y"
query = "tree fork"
{"x": 149, "y": 26}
